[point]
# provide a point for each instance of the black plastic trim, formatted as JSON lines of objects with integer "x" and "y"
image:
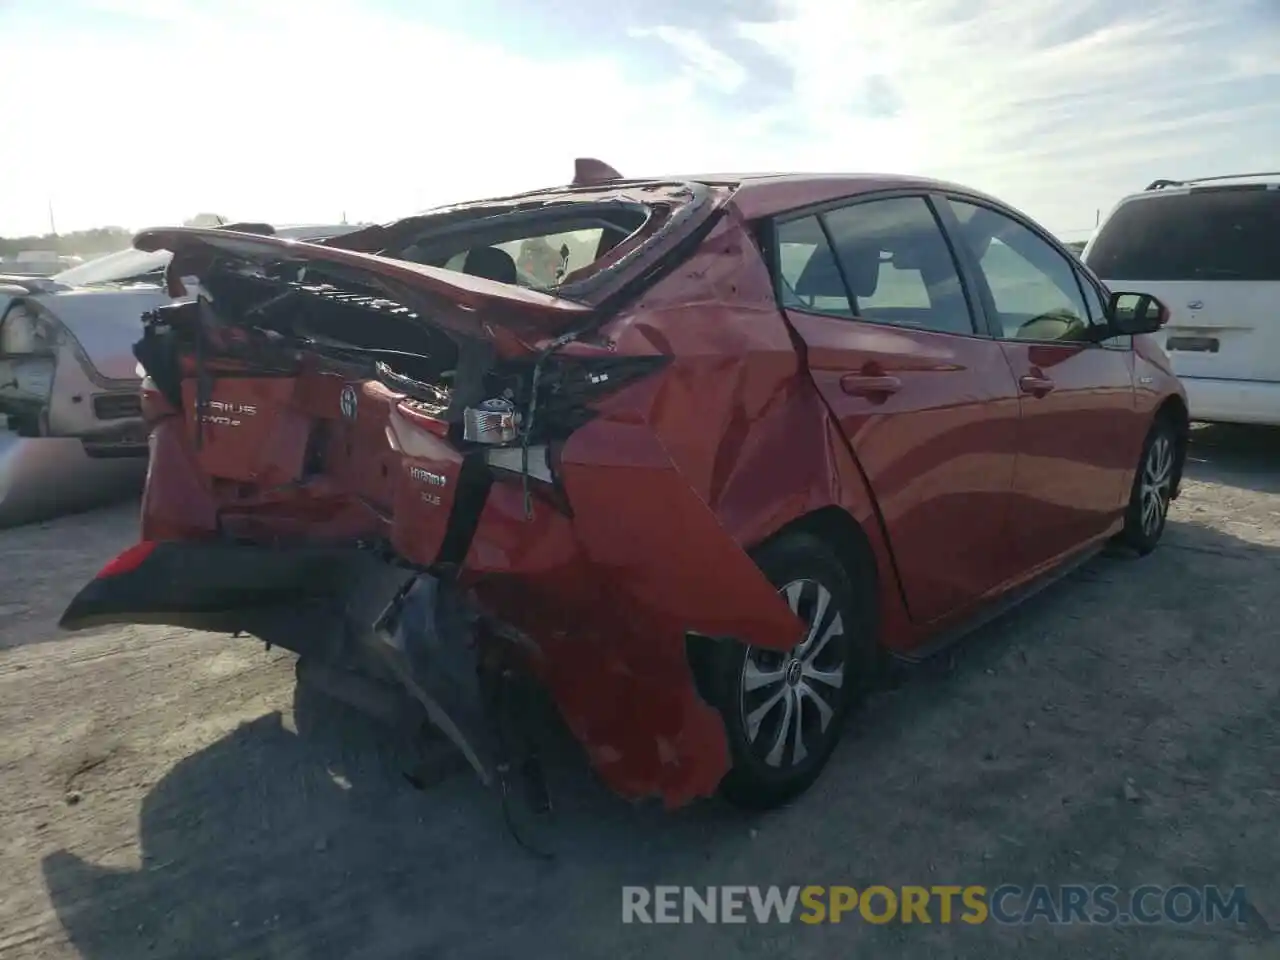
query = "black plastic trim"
{"x": 474, "y": 481}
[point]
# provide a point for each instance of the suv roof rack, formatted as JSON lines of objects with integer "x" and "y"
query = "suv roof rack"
{"x": 1162, "y": 184}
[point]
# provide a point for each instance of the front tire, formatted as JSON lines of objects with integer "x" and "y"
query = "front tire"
{"x": 1153, "y": 483}
{"x": 784, "y": 713}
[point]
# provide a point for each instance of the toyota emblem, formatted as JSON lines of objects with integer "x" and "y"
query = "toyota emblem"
{"x": 348, "y": 402}
{"x": 1195, "y": 305}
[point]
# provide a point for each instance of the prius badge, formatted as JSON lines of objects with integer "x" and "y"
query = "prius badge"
{"x": 348, "y": 402}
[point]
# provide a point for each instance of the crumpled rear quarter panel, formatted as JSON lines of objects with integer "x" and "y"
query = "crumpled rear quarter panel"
{"x": 670, "y": 486}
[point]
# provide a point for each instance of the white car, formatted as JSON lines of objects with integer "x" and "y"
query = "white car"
{"x": 1209, "y": 249}
{"x": 36, "y": 263}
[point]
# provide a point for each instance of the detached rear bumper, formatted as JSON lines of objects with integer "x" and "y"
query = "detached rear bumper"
{"x": 328, "y": 604}
{"x": 290, "y": 596}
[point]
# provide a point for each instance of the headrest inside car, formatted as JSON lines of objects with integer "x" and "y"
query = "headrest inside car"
{"x": 821, "y": 277}
{"x": 491, "y": 263}
{"x": 862, "y": 267}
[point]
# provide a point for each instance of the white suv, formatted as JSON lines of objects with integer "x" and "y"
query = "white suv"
{"x": 1209, "y": 249}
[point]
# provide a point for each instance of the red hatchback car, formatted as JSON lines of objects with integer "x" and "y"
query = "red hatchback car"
{"x": 748, "y": 437}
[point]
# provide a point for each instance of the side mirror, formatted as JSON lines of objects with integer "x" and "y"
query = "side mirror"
{"x": 1134, "y": 313}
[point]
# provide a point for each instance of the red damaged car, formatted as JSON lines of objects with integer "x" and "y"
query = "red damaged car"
{"x": 750, "y": 435}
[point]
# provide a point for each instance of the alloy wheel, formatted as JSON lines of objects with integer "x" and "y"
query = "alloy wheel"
{"x": 788, "y": 700}
{"x": 1157, "y": 480}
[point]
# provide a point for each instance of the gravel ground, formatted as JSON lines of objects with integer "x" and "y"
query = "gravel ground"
{"x": 158, "y": 799}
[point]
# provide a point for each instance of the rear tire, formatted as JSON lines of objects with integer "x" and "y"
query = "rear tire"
{"x": 784, "y": 713}
{"x": 1153, "y": 483}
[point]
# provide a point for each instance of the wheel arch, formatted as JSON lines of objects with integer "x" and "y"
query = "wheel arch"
{"x": 1173, "y": 410}
{"x": 837, "y": 529}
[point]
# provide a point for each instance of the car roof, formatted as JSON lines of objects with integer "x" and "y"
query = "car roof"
{"x": 1180, "y": 188}
{"x": 771, "y": 193}
{"x": 1166, "y": 187}
{"x": 755, "y": 195}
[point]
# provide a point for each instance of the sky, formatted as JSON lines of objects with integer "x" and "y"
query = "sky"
{"x": 146, "y": 112}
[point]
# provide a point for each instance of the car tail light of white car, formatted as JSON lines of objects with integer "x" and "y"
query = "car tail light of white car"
{"x": 26, "y": 329}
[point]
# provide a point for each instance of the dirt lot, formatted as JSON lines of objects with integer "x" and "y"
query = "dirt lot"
{"x": 158, "y": 801}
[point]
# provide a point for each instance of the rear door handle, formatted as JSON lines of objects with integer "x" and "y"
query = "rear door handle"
{"x": 1037, "y": 386}
{"x": 857, "y": 385}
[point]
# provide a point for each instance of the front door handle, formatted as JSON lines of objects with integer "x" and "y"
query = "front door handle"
{"x": 857, "y": 385}
{"x": 1036, "y": 386}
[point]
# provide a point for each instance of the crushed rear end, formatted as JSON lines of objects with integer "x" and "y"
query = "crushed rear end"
{"x": 452, "y": 475}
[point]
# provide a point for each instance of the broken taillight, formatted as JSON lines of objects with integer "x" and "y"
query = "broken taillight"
{"x": 571, "y": 385}
{"x": 535, "y": 462}
{"x": 27, "y": 328}
{"x": 563, "y": 393}
{"x": 558, "y": 399}
{"x": 493, "y": 422}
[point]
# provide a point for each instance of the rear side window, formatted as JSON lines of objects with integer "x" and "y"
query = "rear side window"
{"x": 899, "y": 265}
{"x": 808, "y": 277}
{"x": 1222, "y": 233}
{"x": 889, "y": 254}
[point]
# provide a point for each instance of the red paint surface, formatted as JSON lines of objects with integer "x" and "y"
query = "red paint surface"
{"x": 939, "y": 455}
{"x": 961, "y": 484}
{"x": 424, "y": 471}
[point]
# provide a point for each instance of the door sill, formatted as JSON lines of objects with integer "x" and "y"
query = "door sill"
{"x": 950, "y": 636}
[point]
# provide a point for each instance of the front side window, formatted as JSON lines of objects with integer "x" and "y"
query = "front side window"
{"x": 1093, "y": 300}
{"x": 1033, "y": 286}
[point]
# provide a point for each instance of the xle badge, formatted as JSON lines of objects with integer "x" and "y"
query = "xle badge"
{"x": 348, "y": 402}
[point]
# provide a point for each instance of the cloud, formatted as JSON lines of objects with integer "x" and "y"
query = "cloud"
{"x": 293, "y": 111}
{"x": 703, "y": 61}
{"x": 302, "y": 109}
{"x": 1058, "y": 106}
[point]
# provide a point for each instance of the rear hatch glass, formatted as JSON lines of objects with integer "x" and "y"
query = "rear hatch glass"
{"x": 1210, "y": 255}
